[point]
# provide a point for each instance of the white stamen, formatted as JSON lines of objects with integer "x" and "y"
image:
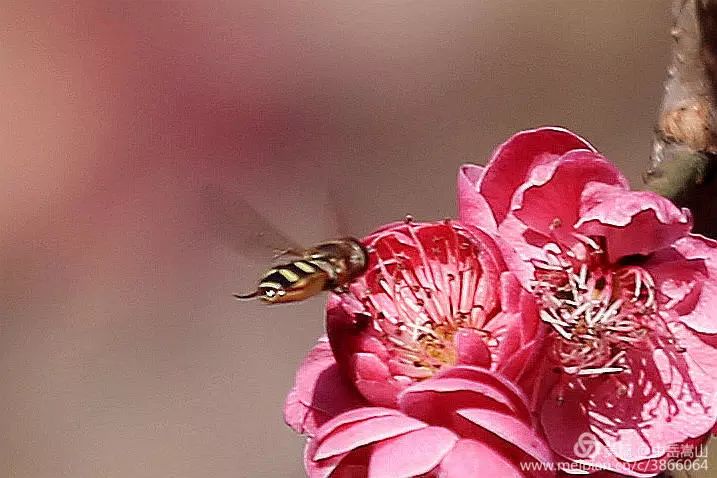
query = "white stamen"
{"x": 638, "y": 287}
{"x": 581, "y": 310}
{"x": 587, "y": 310}
{"x": 562, "y": 332}
{"x": 594, "y": 245}
{"x": 551, "y": 319}
{"x": 552, "y": 248}
{"x": 548, "y": 267}
{"x": 600, "y": 371}
{"x": 613, "y": 309}
{"x": 583, "y": 275}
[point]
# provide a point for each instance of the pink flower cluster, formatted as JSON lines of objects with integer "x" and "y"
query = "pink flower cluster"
{"x": 563, "y": 320}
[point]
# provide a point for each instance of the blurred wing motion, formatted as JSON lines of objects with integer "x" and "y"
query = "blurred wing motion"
{"x": 241, "y": 227}
{"x": 326, "y": 266}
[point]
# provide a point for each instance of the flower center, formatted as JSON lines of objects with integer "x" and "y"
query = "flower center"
{"x": 596, "y": 310}
{"x": 423, "y": 287}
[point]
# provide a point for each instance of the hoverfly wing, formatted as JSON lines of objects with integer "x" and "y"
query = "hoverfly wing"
{"x": 303, "y": 273}
{"x": 341, "y": 209}
{"x": 242, "y": 228}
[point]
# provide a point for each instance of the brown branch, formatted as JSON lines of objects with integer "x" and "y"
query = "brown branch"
{"x": 683, "y": 165}
{"x": 684, "y": 156}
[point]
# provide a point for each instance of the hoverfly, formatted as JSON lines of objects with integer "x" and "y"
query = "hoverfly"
{"x": 325, "y": 266}
{"x": 329, "y": 265}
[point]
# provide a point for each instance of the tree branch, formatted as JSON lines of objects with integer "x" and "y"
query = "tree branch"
{"x": 683, "y": 164}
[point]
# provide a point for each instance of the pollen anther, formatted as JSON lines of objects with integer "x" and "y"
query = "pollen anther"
{"x": 595, "y": 310}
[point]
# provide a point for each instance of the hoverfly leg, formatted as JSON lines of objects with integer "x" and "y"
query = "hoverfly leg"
{"x": 342, "y": 289}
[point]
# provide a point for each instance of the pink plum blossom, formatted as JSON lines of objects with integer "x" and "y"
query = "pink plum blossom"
{"x": 625, "y": 292}
{"x": 414, "y": 378}
{"x": 435, "y": 295}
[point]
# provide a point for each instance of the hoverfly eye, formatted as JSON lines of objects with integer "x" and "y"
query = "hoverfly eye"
{"x": 272, "y": 294}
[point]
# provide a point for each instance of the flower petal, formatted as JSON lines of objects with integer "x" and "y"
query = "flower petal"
{"x": 357, "y": 434}
{"x": 471, "y": 458}
{"x": 319, "y": 469}
{"x": 471, "y": 348}
{"x": 701, "y": 252}
{"x": 511, "y": 394}
{"x": 320, "y": 392}
{"x": 511, "y": 430}
{"x": 510, "y": 292}
{"x": 520, "y": 245}
{"x": 702, "y": 348}
{"x": 513, "y": 160}
{"x": 411, "y": 454}
{"x": 472, "y": 207}
{"x": 569, "y": 434}
{"x": 369, "y": 367}
{"x": 353, "y": 416}
{"x": 632, "y": 222}
{"x": 516, "y": 365}
{"x": 551, "y": 194}
{"x": 678, "y": 280}
{"x": 506, "y": 329}
{"x": 373, "y": 379}
{"x": 665, "y": 400}
{"x": 518, "y": 335}
{"x": 435, "y": 401}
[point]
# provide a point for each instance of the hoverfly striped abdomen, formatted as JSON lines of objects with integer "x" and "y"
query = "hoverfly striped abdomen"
{"x": 292, "y": 281}
{"x": 326, "y": 266}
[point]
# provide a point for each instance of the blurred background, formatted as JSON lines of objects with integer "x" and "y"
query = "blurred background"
{"x": 122, "y": 352}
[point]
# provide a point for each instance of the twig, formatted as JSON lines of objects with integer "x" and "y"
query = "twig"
{"x": 683, "y": 165}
